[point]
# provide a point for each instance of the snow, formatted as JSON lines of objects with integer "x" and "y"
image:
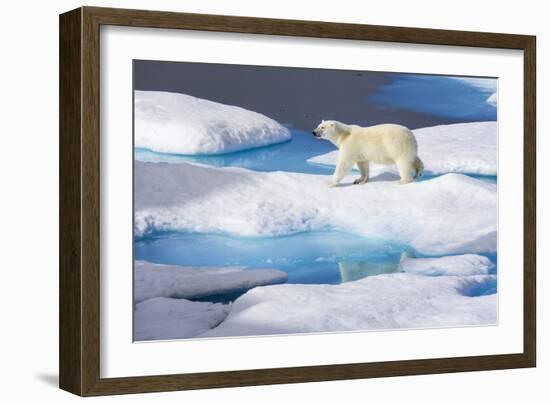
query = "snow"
{"x": 161, "y": 310}
{"x": 182, "y": 124}
{"x": 469, "y": 148}
{"x": 449, "y": 214}
{"x": 170, "y": 318}
{"x": 157, "y": 280}
{"x": 461, "y": 265}
{"x": 388, "y": 301}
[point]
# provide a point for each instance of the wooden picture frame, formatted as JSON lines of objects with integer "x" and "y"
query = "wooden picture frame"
{"x": 79, "y": 347}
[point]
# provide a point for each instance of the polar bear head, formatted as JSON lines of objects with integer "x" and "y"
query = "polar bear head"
{"x": 329, "y": 129}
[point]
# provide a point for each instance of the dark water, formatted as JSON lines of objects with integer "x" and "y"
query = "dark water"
{"x": 437, "y": 96}
{"x": 304, "y": 96}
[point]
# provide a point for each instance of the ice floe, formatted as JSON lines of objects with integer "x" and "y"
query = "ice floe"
{"x": 493, "y": 99}
{"x": 182, "y": 124}
{"x": 469, "y": 148}
{"x": 387, "y": 301}
{"x": 459, "y": 265}
{"x": 157, "y": 280}
{"x": 171, "y": 318}
{"x": 449, "y": 214}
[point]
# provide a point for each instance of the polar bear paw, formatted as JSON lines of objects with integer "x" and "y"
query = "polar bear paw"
{"x": 331, "y": 183}
{"x": 360, "y": 181}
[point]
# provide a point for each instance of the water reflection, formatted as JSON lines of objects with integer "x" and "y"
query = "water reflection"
{"x": 324, "y": 257}
{"x": 356, "y": 270}
{"x": 351, "y": 271}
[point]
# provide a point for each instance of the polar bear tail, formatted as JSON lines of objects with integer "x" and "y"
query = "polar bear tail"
{"x": 418, "y": 166}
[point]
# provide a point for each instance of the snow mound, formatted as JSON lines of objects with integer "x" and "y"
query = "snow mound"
{"x": 449, "y": 214}
{"x": 182, "y": 124}
{"x": 157, "y": 280}
{"x": 461, "y": 265}
{"x": 170, "y": 318}
{"x": 469, "y": 148}
{"x": 388, "y": 301}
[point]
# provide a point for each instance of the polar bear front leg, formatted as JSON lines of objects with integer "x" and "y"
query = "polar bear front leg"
{"x": 342, "y": 169}
{"x": 404, "y": 167}
{"x": 364, "y": 169}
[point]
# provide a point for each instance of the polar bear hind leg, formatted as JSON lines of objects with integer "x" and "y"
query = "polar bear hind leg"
{"x": 364, "y": 169}
{"x": 405, "y": 166}
{"x": 418, "y": 166}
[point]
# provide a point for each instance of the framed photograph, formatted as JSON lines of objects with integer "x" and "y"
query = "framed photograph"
{"x": 248, "y": 201}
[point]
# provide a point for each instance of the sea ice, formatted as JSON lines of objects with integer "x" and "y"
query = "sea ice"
{"x": 387, "y": 301}
{"x": 459, "y": 265}
{"x": 182, "y": 124}
{"x": 449, "y": 214}
{"x": 157, "y": 280}
{"x": 171, "y": 318}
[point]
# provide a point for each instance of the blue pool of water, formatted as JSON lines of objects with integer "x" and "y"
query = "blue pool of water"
{"x": 329, "y": 257}
{"x": 324, "y": 257}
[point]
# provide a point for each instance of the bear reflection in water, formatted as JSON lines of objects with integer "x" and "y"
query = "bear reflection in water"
{"x": 356, "y": 270}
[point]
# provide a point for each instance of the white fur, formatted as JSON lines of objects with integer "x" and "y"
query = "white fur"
{"x": 383, "y": 144}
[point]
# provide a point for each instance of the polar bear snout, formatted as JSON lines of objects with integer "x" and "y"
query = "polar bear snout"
{"x": 325, "y": 130}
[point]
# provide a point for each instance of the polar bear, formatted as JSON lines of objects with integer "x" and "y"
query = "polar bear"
{"x": 383, "y": 144}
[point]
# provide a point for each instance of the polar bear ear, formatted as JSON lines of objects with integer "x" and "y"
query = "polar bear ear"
{"x": 341, "y": 127}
